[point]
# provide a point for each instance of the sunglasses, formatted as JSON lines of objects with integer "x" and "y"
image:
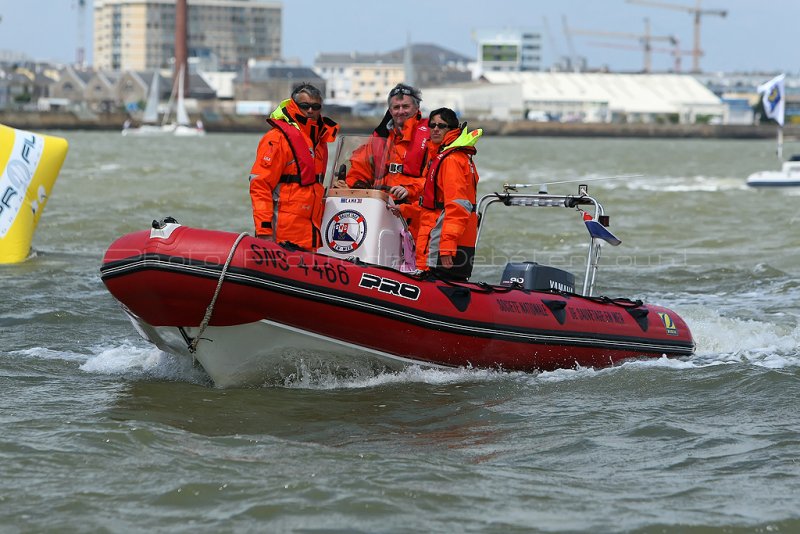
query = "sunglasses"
{"x": 401, "y": 91}
{"x": 305, "y": 106}
{"x": 440, "y": 125}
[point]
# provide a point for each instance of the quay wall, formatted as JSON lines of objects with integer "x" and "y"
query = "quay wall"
{"x": 42, "y": 121}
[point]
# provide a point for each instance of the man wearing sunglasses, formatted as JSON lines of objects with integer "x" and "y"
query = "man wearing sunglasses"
{"x": 395, "y": 158}
{"x": 286, "y": 179}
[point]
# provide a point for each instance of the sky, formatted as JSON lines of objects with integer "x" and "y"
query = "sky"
{"x": 755, "y": 36}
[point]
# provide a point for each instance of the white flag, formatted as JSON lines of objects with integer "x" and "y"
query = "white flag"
{"x": 773, "y": 98}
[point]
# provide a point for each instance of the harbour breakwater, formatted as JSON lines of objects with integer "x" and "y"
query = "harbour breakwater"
{"x": 43, "y": 121}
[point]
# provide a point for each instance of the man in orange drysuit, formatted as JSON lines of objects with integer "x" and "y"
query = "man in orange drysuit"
{"x": 286, "y": 179}
{"x": 448, "y": 225}
{"x": 395, "y": 157}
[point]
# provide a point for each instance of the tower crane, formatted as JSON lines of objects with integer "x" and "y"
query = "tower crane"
{"x": 676, "y": 52}
{"x": 645, "y": 38}
{"x": 698, "y": 12}
{"x": 573, "y": 58}
{"x": 551, "y": 38}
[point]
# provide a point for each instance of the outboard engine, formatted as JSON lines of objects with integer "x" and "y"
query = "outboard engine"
{"x": 531, "y": 275}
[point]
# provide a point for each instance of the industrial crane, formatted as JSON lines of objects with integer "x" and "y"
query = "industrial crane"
{"x": 698, "y": 12}
{"x": 573, "y": 58}
{"x": 644, "y": 38}
{"x": 676, "y": 52}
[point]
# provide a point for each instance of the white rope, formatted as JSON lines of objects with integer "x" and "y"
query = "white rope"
{"x": 210, "y": 309}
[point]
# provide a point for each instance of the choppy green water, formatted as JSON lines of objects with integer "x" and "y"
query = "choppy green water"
{"x": 102, "y": 432}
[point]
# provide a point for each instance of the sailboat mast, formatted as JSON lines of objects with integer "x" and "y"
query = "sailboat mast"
{"x": 181, "y": 51}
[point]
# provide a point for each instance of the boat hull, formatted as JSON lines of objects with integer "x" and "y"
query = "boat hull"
{"x": 154, "y": 130}
{"x": 772, "y": 179}
{"x": 788, "y": 176}
{"x": 238, "y": 355}
{"x": 276, "y": 307}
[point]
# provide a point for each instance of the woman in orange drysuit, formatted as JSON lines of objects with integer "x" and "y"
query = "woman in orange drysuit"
{"x": 286, "y": 179}
{"x": 410, "y": 210}
{"x": 448, "y": 225}
{"x": 396, "y": 156}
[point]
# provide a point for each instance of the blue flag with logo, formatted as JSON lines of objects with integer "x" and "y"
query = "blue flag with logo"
{"x": 598, "y": 231}
{"x": 774, "y": 98}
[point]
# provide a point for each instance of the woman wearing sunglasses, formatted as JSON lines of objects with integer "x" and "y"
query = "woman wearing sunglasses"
{"x": 448, "y": 224}
{"x": 286, "y": 179}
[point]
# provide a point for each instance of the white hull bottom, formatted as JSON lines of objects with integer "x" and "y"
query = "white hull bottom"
{"x": 177, "y": 130}
{"x": 788, "y": 176}
{"x": 261, "y": 352}
{"x": 188, "y": 131}
{"x": 776, "y": 181}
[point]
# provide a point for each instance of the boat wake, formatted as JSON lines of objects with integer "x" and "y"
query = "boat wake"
{"x": 138, "y": 363}
{"x": 684, "y": 184}
{"x": 720, "y": 341}
{"x": 142, "y": 363}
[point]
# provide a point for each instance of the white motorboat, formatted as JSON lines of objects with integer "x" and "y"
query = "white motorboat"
{"x": 788, "y": 176}
{"x": 774, "y": 104}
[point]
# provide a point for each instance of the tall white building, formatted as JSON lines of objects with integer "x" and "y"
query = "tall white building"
{"x": 510, "y": 50}
{"x": 140, "y": 34}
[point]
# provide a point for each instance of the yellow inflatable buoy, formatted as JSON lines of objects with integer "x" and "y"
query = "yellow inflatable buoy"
{"x": 29, "y": 166}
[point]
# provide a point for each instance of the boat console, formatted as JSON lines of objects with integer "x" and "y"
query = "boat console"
{"x": 362, "y": 225}
{"x": 359, "y": 224}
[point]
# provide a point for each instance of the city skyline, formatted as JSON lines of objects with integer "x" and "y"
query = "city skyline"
{"x": 748, "y": 39}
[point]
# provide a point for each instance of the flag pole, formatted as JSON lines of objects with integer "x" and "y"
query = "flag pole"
{"x": 774, "y": 105}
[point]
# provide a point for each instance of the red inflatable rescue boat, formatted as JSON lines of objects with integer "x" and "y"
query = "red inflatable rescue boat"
{"x": 248, "y": 309}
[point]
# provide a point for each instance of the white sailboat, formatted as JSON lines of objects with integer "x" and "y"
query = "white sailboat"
{"x": 181, "y": 126}
{"x": 150, "y": 125}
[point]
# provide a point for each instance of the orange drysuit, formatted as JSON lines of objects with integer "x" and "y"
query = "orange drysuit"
{"x": 448, "y": 225}
{"x": 410, "y": 210}
{"x": 285, "y": 181}
{"x": 392, "y": 158}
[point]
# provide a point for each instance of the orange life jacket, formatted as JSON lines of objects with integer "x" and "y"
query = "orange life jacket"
{"x": 414, "y": 161}
{"x": 322, "y": 132}
{"x": 302, "y": 155}
{"x": 428, "y": 198}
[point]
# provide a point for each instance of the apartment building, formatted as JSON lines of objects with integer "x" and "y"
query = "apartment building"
{"x": 368, "y": 78}
{"x": 140, "y": 34}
